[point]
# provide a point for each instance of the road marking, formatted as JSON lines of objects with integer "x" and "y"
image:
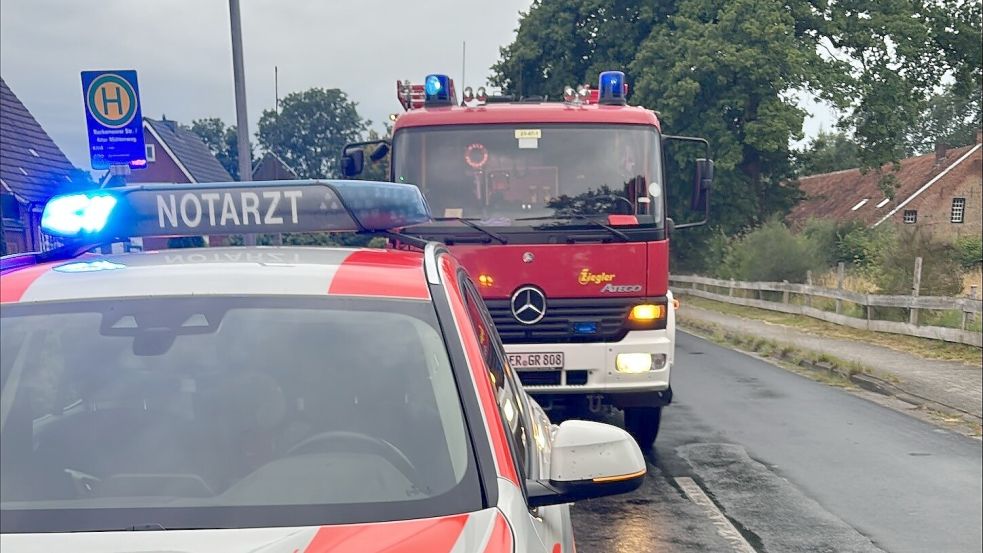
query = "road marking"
{"x": 724, "y": 527}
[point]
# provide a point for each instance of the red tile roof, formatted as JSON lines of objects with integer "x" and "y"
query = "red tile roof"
{"x": 837, "y": 195}
{"x": 31, "y": 164}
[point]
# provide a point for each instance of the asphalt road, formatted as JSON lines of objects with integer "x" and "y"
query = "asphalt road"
{"x": 794, "y": 465}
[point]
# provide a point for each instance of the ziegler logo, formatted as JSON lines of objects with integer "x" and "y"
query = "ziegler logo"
{"x": 621, "y": 288}
{"x": 587, "y": 277}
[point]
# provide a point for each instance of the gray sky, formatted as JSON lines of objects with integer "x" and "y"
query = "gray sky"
{"x": 181, "y": 51}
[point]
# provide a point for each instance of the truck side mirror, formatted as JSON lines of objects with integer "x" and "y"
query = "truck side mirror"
{"x": 379, "y": 152}
{"x": 352, "y": 162}
{"x": 702, "y": 181}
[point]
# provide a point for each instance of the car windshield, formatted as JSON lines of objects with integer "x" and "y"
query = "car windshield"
{"x": 228, "y": 412}
{"x": 505, "y": 175}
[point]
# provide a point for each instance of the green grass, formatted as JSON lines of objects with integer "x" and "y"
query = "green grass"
{"x": 921, "y": 347}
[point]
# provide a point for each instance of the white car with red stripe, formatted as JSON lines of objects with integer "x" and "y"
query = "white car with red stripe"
{"x": 272, "y": 400}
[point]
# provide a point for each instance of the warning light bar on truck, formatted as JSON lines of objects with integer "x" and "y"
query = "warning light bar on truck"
{"x": 437, "y": 90}
{"x": 233, "y": 208}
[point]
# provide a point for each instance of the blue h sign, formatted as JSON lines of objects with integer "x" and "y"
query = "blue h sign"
{"x": 114, "y": 119}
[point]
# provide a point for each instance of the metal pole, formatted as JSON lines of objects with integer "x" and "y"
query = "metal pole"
{"x": 464, "y": 57}
{"x": 242, "y": 121}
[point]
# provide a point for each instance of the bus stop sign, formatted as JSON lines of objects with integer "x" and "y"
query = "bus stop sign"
{"x": 114, "y": 119}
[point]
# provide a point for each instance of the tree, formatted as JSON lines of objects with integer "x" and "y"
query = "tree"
{"x": 310, "y": 129}
{"x": 828, "y": 152}
{"x": 222, "y": 141}
{"x": 730, "y": 70}
{"x": 951, "y": 118}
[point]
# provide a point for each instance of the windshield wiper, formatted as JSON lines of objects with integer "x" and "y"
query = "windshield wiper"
{"x": 470, "y": 223}
{"x": 587, "y": 218}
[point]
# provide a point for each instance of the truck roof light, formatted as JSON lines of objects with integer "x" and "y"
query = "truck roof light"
{"x": 569, "y": 94}
{"x": 481, "y": 95}
{"x": 612, "y": 88}
{"x": 438, "y": 90}
{"x": 468, "y": 94}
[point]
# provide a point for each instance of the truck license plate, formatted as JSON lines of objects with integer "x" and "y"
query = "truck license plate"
{"x": 536, "y": 361}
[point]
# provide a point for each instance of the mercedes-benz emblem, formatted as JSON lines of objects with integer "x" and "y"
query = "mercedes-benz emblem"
{"x": 528, "y": 257}
{"x": 528, "y": 305}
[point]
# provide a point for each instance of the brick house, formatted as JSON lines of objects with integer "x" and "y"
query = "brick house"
{"x": 941, "y": 193}
{"x": 32, "y": 170}
{"x": 175, "y": 154}
{"x": 272, "y": 167}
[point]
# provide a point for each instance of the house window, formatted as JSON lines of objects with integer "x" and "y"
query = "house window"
{"x": 151, "y": 153}
{"x": 910, "y": 216}
{"x": 958, "y": 213}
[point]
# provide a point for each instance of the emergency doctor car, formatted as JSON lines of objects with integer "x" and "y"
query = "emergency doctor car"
{"x": 272, "y": 399}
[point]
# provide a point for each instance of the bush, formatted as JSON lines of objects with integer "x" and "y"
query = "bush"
{"x": 893, "y": 266}
{"x": 969, "y": 251}
{"x": 772, "y": 253}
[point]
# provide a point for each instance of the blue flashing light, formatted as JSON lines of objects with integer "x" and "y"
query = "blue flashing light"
{"x": 612, "y": 88}
{"x": 77, "y": 215}
{"x": 585, "y": 327}
{"x": 438, "y": 90}
{"x": 433, "y": 84}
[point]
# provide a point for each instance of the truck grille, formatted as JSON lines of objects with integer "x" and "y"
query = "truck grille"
{"x": 557, "y": 326}
{"x": 551, "y": 378}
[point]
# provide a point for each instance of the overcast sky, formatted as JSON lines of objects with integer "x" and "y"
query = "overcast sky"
{"x": 181, "y": 51}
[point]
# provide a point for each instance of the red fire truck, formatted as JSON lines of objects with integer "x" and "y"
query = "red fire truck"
{"x": 558, "y": 211}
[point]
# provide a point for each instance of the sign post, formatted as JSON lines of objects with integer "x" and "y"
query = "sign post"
{"x": 114, "y": 121}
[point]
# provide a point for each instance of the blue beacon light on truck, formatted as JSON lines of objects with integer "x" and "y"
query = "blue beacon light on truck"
{"x": 612, "y": 88}
{"x": 437, "y": 90}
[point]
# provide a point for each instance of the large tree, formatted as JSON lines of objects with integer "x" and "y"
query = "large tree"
{"x": 732, "y": 71}
{"x": 222, "y": 141}
{"x": 310, "y": 129}
{"x": 951, "y": 117}
{"x": 827, "y": 152}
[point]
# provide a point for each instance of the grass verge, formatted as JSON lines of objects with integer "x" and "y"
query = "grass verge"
{"x": 921, "y": 347}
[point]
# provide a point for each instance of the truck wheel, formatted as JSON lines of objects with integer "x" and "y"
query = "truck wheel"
{"x": 643, "y": 424}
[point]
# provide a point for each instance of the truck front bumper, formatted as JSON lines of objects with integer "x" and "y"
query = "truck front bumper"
{"x": 599, "y": 362}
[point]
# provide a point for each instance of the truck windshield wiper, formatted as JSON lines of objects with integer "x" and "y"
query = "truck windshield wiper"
{"x": 586, "y": 218}
{"x": 470, "y": 223}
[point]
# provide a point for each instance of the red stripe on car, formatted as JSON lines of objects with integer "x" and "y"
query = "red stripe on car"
{"x": 13, "y": 285}
{"x": 435, "y": 535}
{"x": 501, "y": 537}
{"x": 480, "y": 373}
{"x": 381, "y": 273}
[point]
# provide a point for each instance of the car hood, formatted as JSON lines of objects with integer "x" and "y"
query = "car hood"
{"x": 480, "y": 532}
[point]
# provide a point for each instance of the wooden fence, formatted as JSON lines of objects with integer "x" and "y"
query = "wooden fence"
{"x": 970, "y": 308}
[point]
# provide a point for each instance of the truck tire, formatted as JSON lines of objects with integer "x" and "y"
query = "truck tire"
{"x": 643, "y": 424}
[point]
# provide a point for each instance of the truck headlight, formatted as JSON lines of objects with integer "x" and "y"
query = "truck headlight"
{"x": 638, "y": 363}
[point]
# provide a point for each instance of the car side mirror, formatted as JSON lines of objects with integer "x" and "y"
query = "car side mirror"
{"x": 352, "y": 162}
{"x": 588, "y": 460}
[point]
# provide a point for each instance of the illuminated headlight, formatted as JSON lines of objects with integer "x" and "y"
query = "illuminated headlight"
{"x": 637, "y": 363}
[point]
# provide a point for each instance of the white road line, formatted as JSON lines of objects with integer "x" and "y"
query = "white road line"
{"x": 724, "y": 527}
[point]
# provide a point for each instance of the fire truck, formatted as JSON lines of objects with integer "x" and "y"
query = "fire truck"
{"x": 558, "y": 209}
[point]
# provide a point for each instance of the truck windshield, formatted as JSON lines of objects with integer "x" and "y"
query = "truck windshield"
{"x": 521, "y": 175}
{"x": 228, "y": 412}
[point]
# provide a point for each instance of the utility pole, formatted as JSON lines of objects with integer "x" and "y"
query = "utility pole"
{"x": 242, "y": 121}
{"x": 464, "y": 58}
